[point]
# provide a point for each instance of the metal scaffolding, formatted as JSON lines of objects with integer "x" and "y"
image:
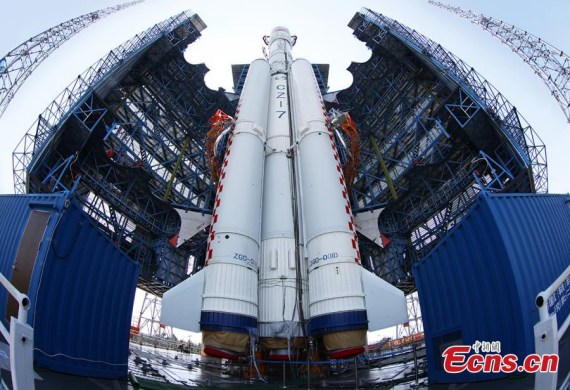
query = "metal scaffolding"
{"x": 434, "y": 134}
{"x": 127, "y": 137}
{"x": 20, "y": 62}
{"x": 149, "y": 318}
{"x": 414, "y": 325}
{"x": 552, "y": 65}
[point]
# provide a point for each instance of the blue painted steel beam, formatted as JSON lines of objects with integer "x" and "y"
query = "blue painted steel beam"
{"x": 48, "y": 123}
{"x": 444, "y": 133}
{"x": 20, "y": 62}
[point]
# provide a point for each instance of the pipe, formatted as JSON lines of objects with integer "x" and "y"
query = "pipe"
{"x": 383, "y": 166}
{"x": 176, "y": 167}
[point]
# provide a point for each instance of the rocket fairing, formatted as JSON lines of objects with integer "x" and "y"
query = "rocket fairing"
{"x": 283, "y": 260}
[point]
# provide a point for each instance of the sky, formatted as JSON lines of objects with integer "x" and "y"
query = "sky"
{"x": 234, "y": 36}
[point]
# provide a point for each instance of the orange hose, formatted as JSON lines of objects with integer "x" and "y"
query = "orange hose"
{"x": 218, "y": 123}
{"x": 353, "y": 159}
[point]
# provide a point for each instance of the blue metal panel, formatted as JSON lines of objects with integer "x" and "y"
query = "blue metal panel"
{"x": 15, "y": 211}
{"x": 338, "y": 322}
{"x": 81, "y": 289}
{"x": 481, "y": 281}
{"x": 219, "y": 321}
{"x": 85, "y": 299}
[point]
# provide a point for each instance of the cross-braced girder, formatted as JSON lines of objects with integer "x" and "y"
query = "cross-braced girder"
{"x": 124, "y": 132}
{"x": 20, "y": 62}
{"x": 552, "y": 65}
{"x": 435, "y": 134}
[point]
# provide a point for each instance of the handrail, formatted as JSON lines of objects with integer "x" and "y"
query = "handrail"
{"x": 20, "y": 337}
{"x": 562, "y": 282}
{"x": 23, "y": 300}
{"x": 547, "y": 334}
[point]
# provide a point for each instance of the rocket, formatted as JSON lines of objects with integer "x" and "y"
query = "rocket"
{"x": 282, "y": 263}
{"x": 283, "y": 276}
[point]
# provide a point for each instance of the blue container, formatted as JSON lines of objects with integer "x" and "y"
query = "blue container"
{"x": 81, "y": 286}
{"x": 481, "y": 281}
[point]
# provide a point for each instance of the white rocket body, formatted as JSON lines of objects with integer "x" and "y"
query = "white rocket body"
{"x": 282, "y": 212}
{"x": 279, "y": 284}
{"x": 336, "y": 293}
{"x": 229, "y": 298}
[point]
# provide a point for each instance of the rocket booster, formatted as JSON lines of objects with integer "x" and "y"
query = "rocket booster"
{"x": 336, "y": 297}
{"x": 229, "y": 298}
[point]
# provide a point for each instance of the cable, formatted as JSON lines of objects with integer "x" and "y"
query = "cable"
{"x": 294, "y": 191}
{"x": 79, "y": 358}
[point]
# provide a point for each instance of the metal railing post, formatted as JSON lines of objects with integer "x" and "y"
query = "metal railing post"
{"x": 20, "y": 336}
{"x": 547, "y": 334}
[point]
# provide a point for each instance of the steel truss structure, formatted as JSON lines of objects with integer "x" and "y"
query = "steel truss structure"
{"x": 414, "y": 325}
{"x": 125, "y": 131}
{"x": 149, "y": 318}
{"x": 128, "y": 138}
{"x": 434, "y": 134}
{"x": 20, "y": 62}
{"x": 552, "y": 65}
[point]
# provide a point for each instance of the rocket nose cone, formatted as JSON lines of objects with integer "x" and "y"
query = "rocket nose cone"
{"x": 280, "y": 29}
{"x": 280, "y": 33}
